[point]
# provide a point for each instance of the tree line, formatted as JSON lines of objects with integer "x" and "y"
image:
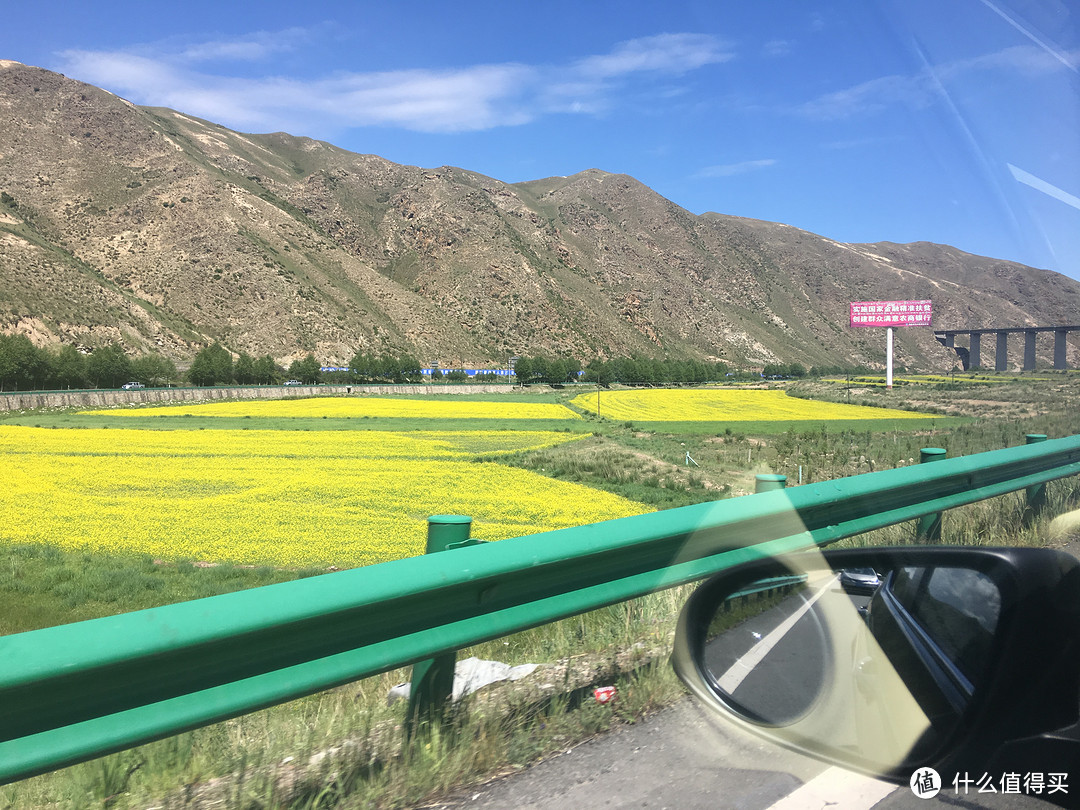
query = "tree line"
{"x": 24, "y": 366}
{"x": 214, "y": 365}
{"x": 654, "y": 371}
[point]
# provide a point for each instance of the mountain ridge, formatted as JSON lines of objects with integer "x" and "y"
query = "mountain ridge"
{"x": 160, "y": 230}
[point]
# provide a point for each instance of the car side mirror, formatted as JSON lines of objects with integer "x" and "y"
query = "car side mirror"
{"x": 890, "y": 660}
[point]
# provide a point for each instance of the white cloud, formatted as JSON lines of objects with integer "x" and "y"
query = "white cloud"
{"x": 920, "y": 89}
{"x": 857, "y": 143}
{"x": 1022, "y": 59}
{"x": 425, "y": 101}
{"x": 776, "y": 47}
{"x": 732, "y": 169}
{"x": 454, "y": 100}
{"x": 1068, "y": 60}
{"x": 871, "y": 96}
{"x": 665, "y": 53}
{"x": 249, "y": 48}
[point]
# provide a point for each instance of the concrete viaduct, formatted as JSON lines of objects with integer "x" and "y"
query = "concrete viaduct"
{"x": 971, "y": 357}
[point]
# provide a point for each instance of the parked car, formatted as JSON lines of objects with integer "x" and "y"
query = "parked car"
{"x": 293, "y": 382}
{"x": 132, "y": 386}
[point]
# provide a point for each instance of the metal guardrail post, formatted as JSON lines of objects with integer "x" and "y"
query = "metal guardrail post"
{"x": 1036, "y": 495}
{"x": 766, "y": 482}
{"x": 433, "y": 679}
{"x": 929, "y": 528}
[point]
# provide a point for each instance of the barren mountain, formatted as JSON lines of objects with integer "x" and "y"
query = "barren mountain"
{"x": 151, "y": 227}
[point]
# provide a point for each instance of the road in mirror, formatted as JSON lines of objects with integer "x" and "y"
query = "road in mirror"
{"x": 875, "y": 668}
{"x": 766, "y": 650}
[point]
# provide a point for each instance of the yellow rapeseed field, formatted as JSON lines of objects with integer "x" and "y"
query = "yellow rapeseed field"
{"x": 283, "y": 498}
{"x": 358, "y": 407}
{"x": 723, "y": 405}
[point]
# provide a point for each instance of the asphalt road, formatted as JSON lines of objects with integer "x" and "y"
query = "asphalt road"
{"x": 684, "y": 759}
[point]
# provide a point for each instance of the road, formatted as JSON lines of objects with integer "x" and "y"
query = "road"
{"x": 683, "y": 759}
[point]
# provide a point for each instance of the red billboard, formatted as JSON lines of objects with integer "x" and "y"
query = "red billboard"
{"x": 890, "y": 313}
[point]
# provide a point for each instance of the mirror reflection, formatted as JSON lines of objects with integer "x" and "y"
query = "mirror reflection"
{"x": 881, "y": 663}
{"x": 766, "y": 649}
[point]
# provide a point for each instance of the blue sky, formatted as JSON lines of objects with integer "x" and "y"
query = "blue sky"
{"x": 952, "y": 121}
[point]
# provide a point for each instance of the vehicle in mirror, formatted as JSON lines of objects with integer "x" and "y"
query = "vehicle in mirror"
{"x": 888, "y": 660}
{"x": 860, "y": 580}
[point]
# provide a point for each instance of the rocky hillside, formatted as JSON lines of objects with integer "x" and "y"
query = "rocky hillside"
{"x": 150, "y": 227}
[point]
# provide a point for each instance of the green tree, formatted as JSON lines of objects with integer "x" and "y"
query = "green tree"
{"x": 541, "y": 370}
{"x": 211, "y": 366}
{"x": 108, "y": 366}
{"x": 363, "y": 367}
{"x": 266, "y": 370}
{"x": 153, "y": 370}
{"x": 408, "y": 369}
{"x": 523, "y": 370}
{"x": 67, "y": 368}
{"x": 244, "y": 369}
{"x": 599, "y": 371}
{"x": 307, "y": 370}
{"x": 22, "y": 364}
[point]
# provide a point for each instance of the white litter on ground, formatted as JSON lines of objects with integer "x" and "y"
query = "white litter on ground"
{"x": 470, "y": 675}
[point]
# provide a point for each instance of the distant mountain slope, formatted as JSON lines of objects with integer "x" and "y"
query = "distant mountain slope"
{"x": 145, "y": 225}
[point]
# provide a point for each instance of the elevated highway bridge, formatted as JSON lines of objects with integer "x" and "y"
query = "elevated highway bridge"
{"x": 971, "y": 356}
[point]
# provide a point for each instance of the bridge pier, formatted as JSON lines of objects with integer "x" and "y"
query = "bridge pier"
{"x": 1029, "y": 350}
{"x": 974, "y": 358}
{"x": 1059, "y": 349}
{"x": 1001, "y": 356}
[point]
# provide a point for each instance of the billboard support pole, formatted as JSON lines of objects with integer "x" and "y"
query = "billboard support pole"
{"x": 888, "y": 359}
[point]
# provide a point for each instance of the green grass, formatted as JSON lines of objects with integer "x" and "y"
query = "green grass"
{"x": 42, "y": 586}
{"x": 765, "y": 428}
{"x": 151, "y": 422}
{"x": 354, "y": 732}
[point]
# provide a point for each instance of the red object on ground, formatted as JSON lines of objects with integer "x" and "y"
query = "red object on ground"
{"x": 604, "y": 694}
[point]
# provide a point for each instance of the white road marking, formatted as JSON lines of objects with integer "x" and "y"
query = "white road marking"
{"x": 836, "y": 789}
{"x": 738, "y": 671}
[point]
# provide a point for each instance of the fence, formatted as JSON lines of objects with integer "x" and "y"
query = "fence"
{"x": 78, "y": 691}
{"x": 108, "y": 398}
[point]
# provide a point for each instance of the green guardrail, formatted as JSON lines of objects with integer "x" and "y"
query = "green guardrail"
{"x": 78, "y": 691}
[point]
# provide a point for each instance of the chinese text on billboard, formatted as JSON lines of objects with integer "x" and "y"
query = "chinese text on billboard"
{"x": 890, "y": 313}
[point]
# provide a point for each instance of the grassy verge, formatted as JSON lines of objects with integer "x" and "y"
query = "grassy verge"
{"x": 42, "y": 586}
{"x": 765, "y": 428}
{"x": 151, "y": 422}
{"x": 344, "y": 748}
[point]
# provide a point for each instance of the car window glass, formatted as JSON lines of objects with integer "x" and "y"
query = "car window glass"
{"x": 959, "y": 610}
{"x": 905, "y": 585}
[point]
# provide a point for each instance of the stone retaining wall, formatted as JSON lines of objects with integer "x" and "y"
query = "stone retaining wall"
{"x": 34, "y": 400}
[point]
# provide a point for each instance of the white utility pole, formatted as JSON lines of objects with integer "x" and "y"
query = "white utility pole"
{"x": 888, "y": 359}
